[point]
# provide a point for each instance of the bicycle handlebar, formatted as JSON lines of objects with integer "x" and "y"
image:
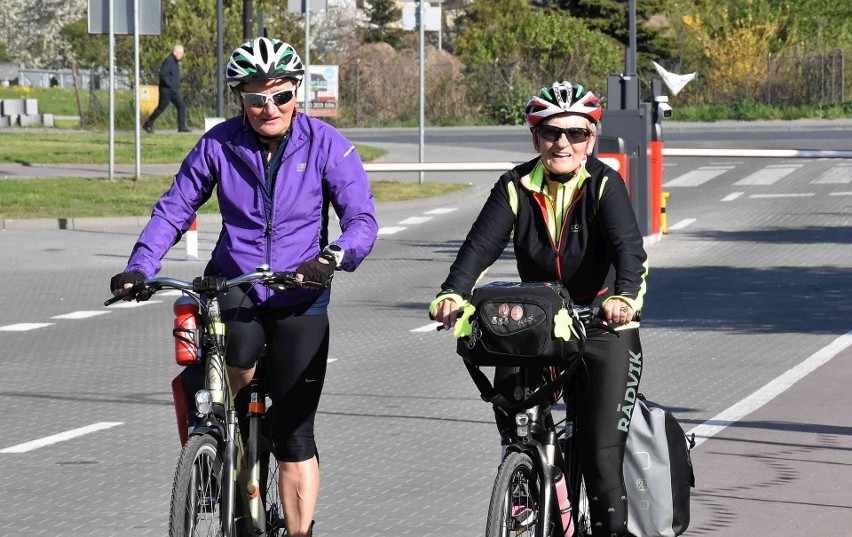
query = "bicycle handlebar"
{"x": 211, "y": 285}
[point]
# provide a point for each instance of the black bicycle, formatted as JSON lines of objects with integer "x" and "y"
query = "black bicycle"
{"x": 539, "y": 489}
{"x": 226, "y": 481}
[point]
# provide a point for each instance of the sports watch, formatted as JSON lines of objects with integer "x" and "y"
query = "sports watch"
{"x": 335, "y": 252}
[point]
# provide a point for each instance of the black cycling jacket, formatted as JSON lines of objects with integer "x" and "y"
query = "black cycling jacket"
{"x": 599, "y": 252}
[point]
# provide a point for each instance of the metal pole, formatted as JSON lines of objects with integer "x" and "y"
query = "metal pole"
{"x": 307, "y": 58}
{"x": 357, "y": 92}
{"x": 220, "y": 60}
{"x": 111, "y": 25}
{"x": 630, "y": 60}
{"x": 136, "y": 75}
{"x": 421, "y": 25}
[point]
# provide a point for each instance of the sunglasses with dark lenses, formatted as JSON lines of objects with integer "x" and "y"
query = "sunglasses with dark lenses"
{"x": 574, "y": 134}
{"x": 259, "y": 100}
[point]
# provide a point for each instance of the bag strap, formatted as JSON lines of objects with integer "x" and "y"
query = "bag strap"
{"x": 490, "y": 395}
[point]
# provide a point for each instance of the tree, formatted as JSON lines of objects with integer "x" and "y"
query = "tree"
{"x": 653, "y": 36}
{"x": 30, "y": 30}
{"x": 383, "y": 17}
{"x": 512, "y": 50}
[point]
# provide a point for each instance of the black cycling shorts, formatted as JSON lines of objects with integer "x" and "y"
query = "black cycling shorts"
{"x": 294, "y": 371}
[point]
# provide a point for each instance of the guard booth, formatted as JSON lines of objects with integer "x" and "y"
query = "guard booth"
{"x": 631, "y": 132}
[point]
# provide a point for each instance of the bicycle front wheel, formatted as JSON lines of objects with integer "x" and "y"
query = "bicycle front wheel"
{"x": 197, "y": 492}
{"x": 515, "y": 506}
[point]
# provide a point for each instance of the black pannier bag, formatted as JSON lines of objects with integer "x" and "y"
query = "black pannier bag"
{"x": 519, "y": 324}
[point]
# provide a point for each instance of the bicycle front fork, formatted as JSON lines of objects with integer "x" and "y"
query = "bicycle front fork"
{"x": 229, "y": 475}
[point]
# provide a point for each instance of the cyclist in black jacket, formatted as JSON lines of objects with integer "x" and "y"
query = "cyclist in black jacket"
{"x": 570, "y": 219}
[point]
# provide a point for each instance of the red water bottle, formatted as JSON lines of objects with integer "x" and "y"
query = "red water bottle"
{"x": 186, "y": 331}
{"x": 564, "y": 504}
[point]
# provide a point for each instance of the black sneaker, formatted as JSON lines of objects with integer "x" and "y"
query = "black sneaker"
{"x": 148, "y": 129}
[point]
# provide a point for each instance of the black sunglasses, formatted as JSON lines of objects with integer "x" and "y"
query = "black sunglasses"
{"x": 259, "y": 100}
{"x": 574, "y": 134}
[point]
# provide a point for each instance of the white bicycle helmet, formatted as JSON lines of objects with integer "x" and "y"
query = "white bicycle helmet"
{"x": 263, "y": 59}
{"x": 560, "y": 98}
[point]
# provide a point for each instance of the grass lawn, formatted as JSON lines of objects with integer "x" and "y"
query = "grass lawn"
{"x": 96, "y": 197}
{"x": 93, "y": 148}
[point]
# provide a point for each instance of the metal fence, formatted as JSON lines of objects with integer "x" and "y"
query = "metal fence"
{"x": 807, "y": 79}
{"x": 64, "y": 78}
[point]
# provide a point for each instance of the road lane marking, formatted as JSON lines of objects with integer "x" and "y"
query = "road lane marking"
{"x": 805, "y": 195}
{"x": 838, "y": 175}
{"x": 61, "y": 437}
{"x": 698, "y": 177}
{"x": 390, "y": 230}
{"x": 769, "y": 175}
{"x": 133, "y": 304}
{"x": 682, "y": 224}
{"x": 442, "y": 210}
{"x": 80, "y": 314}
{"x": 432, "y": 327}
{"x": 415, "y": 220}
{"x": 840, "y": 194}
{"x": 732, "y": 196}
{"x": 771, "y": 390}
{"x": 23, "y": 327}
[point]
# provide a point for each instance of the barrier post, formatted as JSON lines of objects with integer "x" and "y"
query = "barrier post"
{"x": 191, "y": 238}
{"x": 663, "y": 223}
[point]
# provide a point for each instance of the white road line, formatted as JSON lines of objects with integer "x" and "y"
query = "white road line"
{"x": 682, "y": 224}
{"x": 838, "y": 175}
{"x": 23, "y": 327}
{"x": 769, "y": 175}
{"x": 442, "y": 210}
{"x": 133, "y": 304}
{"x": 732, "y": 196}
{"x": 415, "y": 220}
{"x": 80, "y": 314}
{"x": 390, "y": 230}
{"x": 840, "y": 194}
{"x": 433, "y": 327}
{"x": 769, "y": 392}
{"x": 61, "y": 437}
{"x": 803, "y": 195}
{"x": 698, "y": 177}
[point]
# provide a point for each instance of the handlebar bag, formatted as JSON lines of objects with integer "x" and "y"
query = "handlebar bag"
{"x": 519, "y": 324}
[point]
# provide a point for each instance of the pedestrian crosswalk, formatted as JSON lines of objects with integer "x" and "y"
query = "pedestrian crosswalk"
{"x": 838, "y": 173}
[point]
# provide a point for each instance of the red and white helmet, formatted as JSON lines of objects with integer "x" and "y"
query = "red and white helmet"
{"x": 560, "y": 98}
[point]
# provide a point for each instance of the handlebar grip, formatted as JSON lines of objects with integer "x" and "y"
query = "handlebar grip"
{"x": 114, "y": 299}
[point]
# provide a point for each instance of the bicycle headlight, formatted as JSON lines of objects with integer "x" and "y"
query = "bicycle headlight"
{"x": 522, "y": 422}
{"x": 203, "y": 402}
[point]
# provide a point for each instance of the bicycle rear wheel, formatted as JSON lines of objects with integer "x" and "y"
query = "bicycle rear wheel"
{"x": 196, "y": 494}
{"x": 515, "y": 505}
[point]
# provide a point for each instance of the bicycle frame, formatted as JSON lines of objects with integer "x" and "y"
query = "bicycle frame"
{"x": 214, "y": 404}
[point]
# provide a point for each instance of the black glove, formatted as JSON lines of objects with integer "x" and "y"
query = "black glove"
{"x": 117, "y": 282}
{"x": 315, "y": 270}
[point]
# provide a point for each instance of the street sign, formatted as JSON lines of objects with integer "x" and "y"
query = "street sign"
{"x": 296, "y": 6}
{"x": 324, "y": 91}
{"x": 432, "y": 17}
{"x": 150, "y": 17}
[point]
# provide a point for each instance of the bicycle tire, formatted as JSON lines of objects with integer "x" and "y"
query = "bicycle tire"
{"x": 514, "y": 507}
{"x": 196, "y": 494}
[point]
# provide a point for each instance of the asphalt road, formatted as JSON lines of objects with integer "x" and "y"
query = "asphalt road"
{"x": 750, "y": 286}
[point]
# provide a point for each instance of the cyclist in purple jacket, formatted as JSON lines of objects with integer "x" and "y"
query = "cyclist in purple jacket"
{"x": 276, "y": 172}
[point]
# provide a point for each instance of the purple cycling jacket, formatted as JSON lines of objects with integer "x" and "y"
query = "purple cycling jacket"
{"x": 283, "y": 230}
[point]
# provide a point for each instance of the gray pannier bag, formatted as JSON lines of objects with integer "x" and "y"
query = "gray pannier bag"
{"x": 657, "y": 472}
